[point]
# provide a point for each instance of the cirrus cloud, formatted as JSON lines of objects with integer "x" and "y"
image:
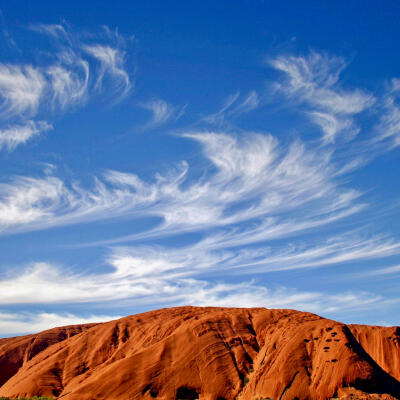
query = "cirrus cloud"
{"x": 68, "y": 78}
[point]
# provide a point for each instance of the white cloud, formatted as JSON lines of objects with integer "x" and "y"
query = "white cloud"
{"x": 21, "y": 89}
{"x": 112, "y": 61}
{"x": 56, "y": 31}
{"x": 29, "y": 199}
{"x": 39, "y": 203}
{"x": 314, "y": 81}
{"x": 336, "y": 250}
{"x": 251, "y": 178}
{"x": 394, "y": 269}
{"x": 25, "y": 323}
{"x": 388, "y": 128}
{"x": 249, "y": 103}
{"x": 152, "y": 275}
{"x": 331, "y": 125}
{"x": 68, "y": 77}
{"x": 233, "y": 107}
{"x": 46, "y": 283}
{"x": 69, "y": 86}
{"x": 15, "y": 135}
{"x": 129, "y": 280}
{"x": 161, "y": 112}
{"x": 250, "y": 295}
{"x": 249, "y": 254}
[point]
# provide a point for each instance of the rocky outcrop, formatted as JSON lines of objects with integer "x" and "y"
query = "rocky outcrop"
{"x": 205, "y": 353}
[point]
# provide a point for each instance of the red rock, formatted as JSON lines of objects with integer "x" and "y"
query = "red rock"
{"x": 212, "y": 353}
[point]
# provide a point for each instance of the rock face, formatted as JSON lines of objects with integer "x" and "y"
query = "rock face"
{"x": 205, "y": 353}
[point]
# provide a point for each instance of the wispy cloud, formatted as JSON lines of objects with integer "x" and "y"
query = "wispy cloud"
{"x": 24, "y": 323}
{"x": 250, "y": 295}
{"x": 394, "y": 269}
{"x": 250, "y": 178}
{"x": 21, "y": 89}
{"x": 161, "y": 112}
{"x": 249, "y": 103}
{"x": 44, "y": 202}
{"x": 69, "y": 86}
{"x": 69, "y": 77}
{"x": 388, "y": 128}
{"x": 218, "y": 256}
{"x": 112, "y": 64}
{"x": 7, "y": 38}
{"x": 234, "y": 105}
{"x": 56, "y": 31}
{"x": 15, "y": 135}
{"x": 148, "y": 284}
{"x": 313, "y": 81}
{"x": 142, "y": 284}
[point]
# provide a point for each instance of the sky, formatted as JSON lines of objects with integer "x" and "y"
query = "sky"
{"x": 215, "y": 153}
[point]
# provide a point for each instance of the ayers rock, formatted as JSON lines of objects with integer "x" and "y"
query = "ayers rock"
{"x": 205, "y": 353}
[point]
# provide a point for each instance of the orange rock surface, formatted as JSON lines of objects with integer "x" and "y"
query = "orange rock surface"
{"x": 205, "y": 353}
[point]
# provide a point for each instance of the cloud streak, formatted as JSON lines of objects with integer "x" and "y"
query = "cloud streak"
{"x": 21, "y": 89}
{"x": 15, "y": 135}
{"x": 248, "y": 179}
{"x": 112, "y": 64}
{"x": 161, "y": 112}
{"x": 25, "y": 323}
{"x": 313, "y": 81}
{"x": 69, "y": 86}
{"x": 234, "y": 106}
{"x": 73, "y": 72}
{"x": 148, "y": 285}
{"x": 388, "y": 129}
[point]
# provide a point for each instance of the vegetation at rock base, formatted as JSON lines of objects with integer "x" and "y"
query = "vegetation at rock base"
{"x": 27, "y": 398}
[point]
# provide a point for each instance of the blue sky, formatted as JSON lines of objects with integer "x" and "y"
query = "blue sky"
{"x": 229, "y": 154}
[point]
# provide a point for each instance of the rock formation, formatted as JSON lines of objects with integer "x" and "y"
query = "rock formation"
{"x": 205, "y": 353}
